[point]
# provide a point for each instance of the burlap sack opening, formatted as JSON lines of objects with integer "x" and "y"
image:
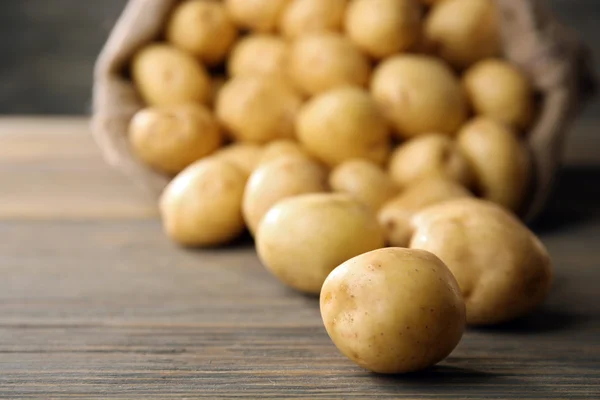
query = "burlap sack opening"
{"x": 556, "y": 61}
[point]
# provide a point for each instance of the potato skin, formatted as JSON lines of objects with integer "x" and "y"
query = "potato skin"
{"x": 365, "y": 181}
{"x": 393, "y": 310}
{"x": 419, "y": 95}
{"x": 202, "y": 206}
{"x": 396, "y": 214}
{"x": 256, "y": 15}
{"x": 382, "y": 28}
{"x": 281, "y": 148}
{"x": 463, "y": 31}
{"x": 245, "y": 156}
{"x": 165, "y": 75}
{"x": 503, "y": 269}
{"x": 500, "y": 162}
{"x": 171, "y": 138}
{"x": 500, "y": 91}
{"x": 323, "y": 61}
{"x": 202, "y": 28}
{"x": 259, "y": 54}
{"x": 302, "y": 17}
{"x": 301, "y": 239}
{"x": 343, "y": 124}
{"x": 284, "y": 177}
{"x": 429, "y": 155}
{"x": 258, "y": 108}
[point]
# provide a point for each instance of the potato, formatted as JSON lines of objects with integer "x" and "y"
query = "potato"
{"x": 429, "y": 155}
{"x": 301, "y": 239}
{"x": 258, "y": 108}
{"x": 245, "y": 156}
{"x": 499, "y": 90}
{"x": 463, "y": 31}
{"x": 302, "y": 17}
{"x": 382, "y": 28}
{"x": 171, "y": 138}
{"x": 343, "y": 124}
{"x": 393, "y": 310}
{"x": 258, "y": 15}
{"x": 259, "y": 54}
{"x": 165, "y": 75}
{"x": 365, "y": 181}
{"x": 500, "y": 162}
{"x": 279, "y": 179}
{"x": 216, "y": 84}
{"x": 395, "y": 216}
{"x": 503, "y": 270}
{"x": 419, "y": 95}
{"x": 202, "y": 206}
{"x": 281, "y": 148}
{"x": 321, "y": 62}
{"x": 202, "y": 28}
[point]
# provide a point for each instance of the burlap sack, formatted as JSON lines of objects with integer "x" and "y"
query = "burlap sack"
{"x": 554, "y": 58}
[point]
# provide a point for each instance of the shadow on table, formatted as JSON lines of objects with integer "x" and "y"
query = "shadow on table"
{"x": 437, "y": 375}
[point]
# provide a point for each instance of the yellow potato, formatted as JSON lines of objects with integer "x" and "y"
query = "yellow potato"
{"x": 503, "y": 270}
{"x": 343, "y": 124}
{"x": 463, "y": 31}
{"x": 259, "y": 54}
{"x": 499, "y": 90}
{"x": 395, "y": 216}
{"x": 302, "y": 17}
{"x": 301, "y": 239}
{"x": 393, "y": 310}
{"x": 365, "y": 181}
{"x": 171, "y": 138}
{"x": 382, "y": 28}
{"x": 258, "y": 15}
{"x": 202, "y": 28}
{"x": 419, "y": 95}
{"x": 429, "y": 155}
{"x": 281, "y": 148}
{"x": 216, "y": 84}
{"x": 245, "y": 156}
{"x": 165, "y": 75}
{"x": 287, "y": 176}
{"x": 321, "y": 62}
{"x": 202, "y": 206}
{"x": 500, "y": 162}
{"x": 257, "y": 108}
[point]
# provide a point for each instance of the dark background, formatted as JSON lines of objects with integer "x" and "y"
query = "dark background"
{"x": 48, "y": 48}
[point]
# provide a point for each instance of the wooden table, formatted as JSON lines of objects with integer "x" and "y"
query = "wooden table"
{"x": 95, "y": 302}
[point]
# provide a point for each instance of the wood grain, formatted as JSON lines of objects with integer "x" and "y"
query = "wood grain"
{"x": 96, "y": 303}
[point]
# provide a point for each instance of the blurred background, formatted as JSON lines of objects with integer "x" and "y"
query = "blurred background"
{"x": 48, "y": 49}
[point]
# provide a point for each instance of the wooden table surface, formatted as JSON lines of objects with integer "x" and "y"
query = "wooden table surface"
{"x": 96, "y": 303}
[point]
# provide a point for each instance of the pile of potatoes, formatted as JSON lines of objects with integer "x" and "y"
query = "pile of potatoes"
{"x": 332, "y": 129}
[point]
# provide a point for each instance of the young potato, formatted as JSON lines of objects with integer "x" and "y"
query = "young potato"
{"x": 503, "y": 270}
{"x": 281, "y": 148}
{"x": 281, "y": 178}
{"x": 500, "y": 162}
{"x": 365, "y": 181}
{"x": 382, "y": 28}
{"x": 463, "y": 32}
{"x": 395, "y": 216}
{"x": 393, "y": 310}
{"x": 202, "y": 206}
{"x": 302, "y": 17}
{"x": 257, "y": 15}
{"x": 202, "y": 28}
{"x": 429, "y": 155}
{"x": 343, "y": 124}
{"x": 301, "y": 239}
{"x": 324, "y": 61}
{"x": 172, "y": 137}
{"x": 165, "y": 75}
{"x": 258, "y": 108}
{"x": 419, "y": 95}
{"x": 259, "y": 54}
{"x": 499, "y": 90}
{"x": 245, "y": 156}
